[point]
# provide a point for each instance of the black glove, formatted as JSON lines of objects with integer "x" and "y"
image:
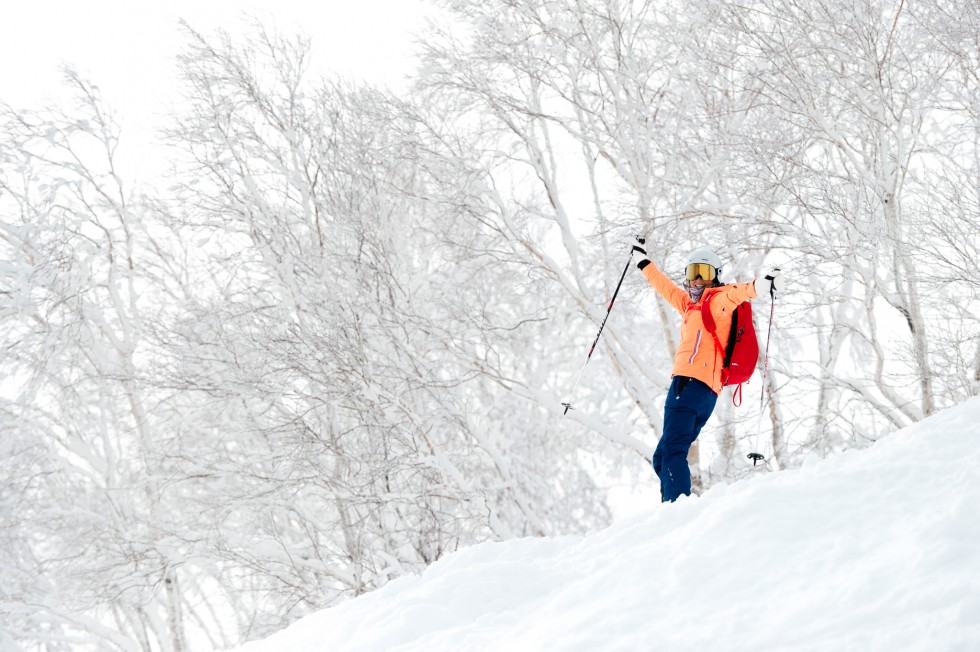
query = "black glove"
{"x": 638, "y": 247}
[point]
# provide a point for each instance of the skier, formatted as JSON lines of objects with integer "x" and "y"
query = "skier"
{"x": 696, "y": 376}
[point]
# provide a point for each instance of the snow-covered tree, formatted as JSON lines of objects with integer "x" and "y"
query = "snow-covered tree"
{"x": 351, "y": 339}
{"x": 95, "y": 534}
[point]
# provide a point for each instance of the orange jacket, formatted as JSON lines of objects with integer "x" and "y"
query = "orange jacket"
{"x": 698, "y": 356}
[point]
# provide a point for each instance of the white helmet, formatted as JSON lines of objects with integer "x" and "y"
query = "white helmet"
{"x": 705, "y": 256}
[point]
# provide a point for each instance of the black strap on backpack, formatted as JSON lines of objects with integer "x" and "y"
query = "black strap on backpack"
{"x": 732, "y": 337}
{"x": 709, "y": 324}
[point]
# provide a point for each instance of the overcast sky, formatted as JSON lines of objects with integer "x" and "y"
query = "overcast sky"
{"x": 128, "y": 47}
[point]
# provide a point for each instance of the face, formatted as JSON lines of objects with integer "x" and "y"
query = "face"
{"x": 699, "y": 283}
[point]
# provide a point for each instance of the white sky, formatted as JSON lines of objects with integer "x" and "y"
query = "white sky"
{"x": 128, "y": 47}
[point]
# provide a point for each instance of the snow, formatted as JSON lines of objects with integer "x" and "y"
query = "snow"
{"x": 877, "y": 549}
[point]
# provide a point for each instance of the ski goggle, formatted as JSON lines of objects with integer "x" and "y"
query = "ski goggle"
{"x": 704, "y": 270}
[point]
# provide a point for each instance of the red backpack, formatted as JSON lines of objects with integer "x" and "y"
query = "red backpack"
{"x": 742, "y": 352}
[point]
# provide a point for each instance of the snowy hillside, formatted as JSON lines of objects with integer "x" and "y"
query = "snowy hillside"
{"x": 868, "y": 550}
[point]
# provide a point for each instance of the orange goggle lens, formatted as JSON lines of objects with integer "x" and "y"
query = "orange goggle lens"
{"x": 704, "y": 270}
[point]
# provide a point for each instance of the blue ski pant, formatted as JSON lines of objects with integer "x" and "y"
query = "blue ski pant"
{"x": 689, "y": 404}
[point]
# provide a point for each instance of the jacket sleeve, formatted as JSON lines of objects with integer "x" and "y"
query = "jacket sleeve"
{"x": 675, "y": 295}
{"x": 734, "y": 294}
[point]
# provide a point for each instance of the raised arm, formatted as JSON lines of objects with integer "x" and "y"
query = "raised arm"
{"x": 675, "y": 295}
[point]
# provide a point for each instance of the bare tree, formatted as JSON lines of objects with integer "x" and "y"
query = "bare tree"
{"x": 94, "y": 512}
{"x": 357, "y": 325}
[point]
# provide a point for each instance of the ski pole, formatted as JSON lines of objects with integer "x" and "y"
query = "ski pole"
{"x": 568, "y": 405}
{"x": 758, "y": 457}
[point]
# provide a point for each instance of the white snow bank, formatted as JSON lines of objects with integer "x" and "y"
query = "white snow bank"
{"x": 868, "y": 550}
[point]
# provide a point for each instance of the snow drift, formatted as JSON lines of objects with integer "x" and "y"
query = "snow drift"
{"x": 877, "y": 549}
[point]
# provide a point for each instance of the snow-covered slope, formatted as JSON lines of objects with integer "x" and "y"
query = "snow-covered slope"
{"x": 868, "y": 550}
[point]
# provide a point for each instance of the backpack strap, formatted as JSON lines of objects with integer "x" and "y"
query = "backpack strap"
{"x": 709, "y": 324}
